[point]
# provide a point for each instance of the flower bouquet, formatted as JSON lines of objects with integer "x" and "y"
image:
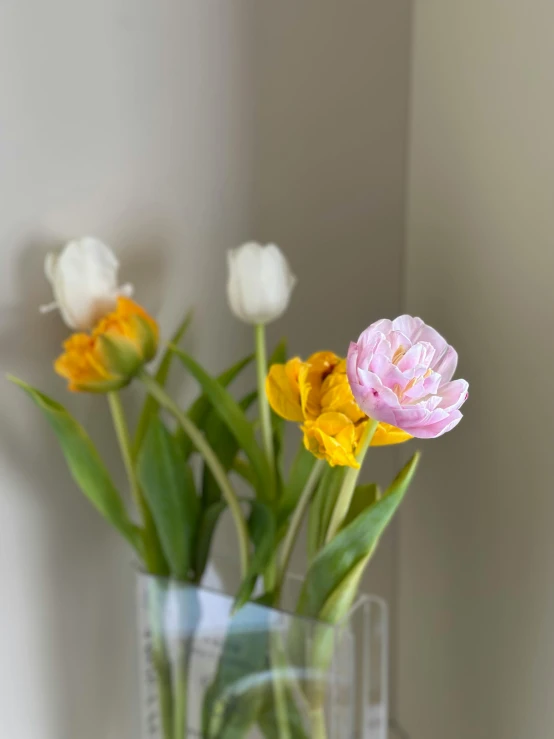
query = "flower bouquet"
{"x": 187, "y": 466}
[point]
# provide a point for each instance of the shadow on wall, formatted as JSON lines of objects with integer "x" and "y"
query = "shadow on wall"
{"x": 81, "y": 572}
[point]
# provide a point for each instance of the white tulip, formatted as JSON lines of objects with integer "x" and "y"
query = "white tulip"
{"x": 84, "y": 281}
{"x": 260, "y": 283}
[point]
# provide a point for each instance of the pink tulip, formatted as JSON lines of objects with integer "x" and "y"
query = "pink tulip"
{"x": 401, "y": 373}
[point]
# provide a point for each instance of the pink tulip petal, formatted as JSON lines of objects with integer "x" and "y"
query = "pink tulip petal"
{"x": 399, "y": 342}
{"x": 434, "y": 430}
{"x": 446, "y": 363}
{"x": 407, "y": 325}
{"x": 426, "y": 386}
{"x": 412, "y": 358}
{"x": 413, "y": 417}
{"x": 453, "y": 394}
{"x": 429, "y": 335}
{"x": 388, "y": 372}
{"x": 384, "y": 326}
{"x": 371, "y": 383}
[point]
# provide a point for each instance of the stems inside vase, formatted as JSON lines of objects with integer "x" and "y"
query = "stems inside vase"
{"x": 180, "y": 692}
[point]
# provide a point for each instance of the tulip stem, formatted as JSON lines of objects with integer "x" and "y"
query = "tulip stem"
{"x": 152, "y": 556}
{"x": 211, "y": 459}
{"x": 263, "y": 403}
{"x": 296, "y": 520}
{"x": 349, "y": 483}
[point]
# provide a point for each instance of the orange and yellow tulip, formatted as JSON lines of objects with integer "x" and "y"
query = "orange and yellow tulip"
{"x": 108, "y": 358}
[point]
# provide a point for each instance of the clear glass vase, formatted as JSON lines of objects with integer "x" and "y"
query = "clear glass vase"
{"x": 259, "y": 672}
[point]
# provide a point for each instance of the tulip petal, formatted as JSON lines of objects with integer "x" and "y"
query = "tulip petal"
{"x": 387, "y": 435}
{"x": 453, "y": 394}
{"x": 446, "y": 364}
{"x": 434, "y": 430}
{"x": 84, "y": 281}
{"x": 408, "y": 325}
{"x": 283, "y": 393}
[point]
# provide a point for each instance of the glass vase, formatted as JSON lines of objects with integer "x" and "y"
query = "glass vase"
{"x": 258, "y": 672}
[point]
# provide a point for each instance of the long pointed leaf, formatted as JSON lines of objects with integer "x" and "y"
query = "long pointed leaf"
{"x": 334, "y": 573}
{"x": 235, "y": 419}
{"x": 235, "y": 697}
{"x": 199, "y": 411}
{"x": 151, "y": 405}
{"x": 263, "y": 531}
{"x": 209, "y": 519}
{"x": 300, "y": 471}
{"x": 330, "y": 488}
{"x": 225, "y": 445}
{"x": 85, "y": 465}
{"x": 168, "y": 485}
{"x": 364, "y": 497}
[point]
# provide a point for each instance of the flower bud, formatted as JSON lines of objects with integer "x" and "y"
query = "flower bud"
{"x": 108, "y": 359}
{"x": 260, "y": 283}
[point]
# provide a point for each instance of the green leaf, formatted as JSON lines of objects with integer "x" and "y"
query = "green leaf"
{"x": 263, "y": 530}
{"x": 225, "y": 445}
{"x": 208, "y": 522}
{"x": 267, "y": 716}
{"x": 329, "y": 489}
{"x": 279, "y": 355}
{"x": 364, "y": 497}
{"x": 234, "y": 699}
{"x": 299, "y": 473}
{"x": 151, "y": 405}
{"x": 85, "y": 465}
{"x": 333, "y": 577}
{"x": 234, "y": 418}
{"x": 168, "y": 485}
{"x": 321, "y": 508}
{"x": 200, "y": 409}
{"x": 244, "y": 470}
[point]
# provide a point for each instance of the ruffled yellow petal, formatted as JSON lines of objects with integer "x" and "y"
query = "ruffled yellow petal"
{"x": 311, "y": 377}
{"x": 109, "y": 358}
{"x": 283, "y": 391}
{"x": 336, "y": 395}
{"x": 332, "y": 437}
{"x": 386, "y": 435}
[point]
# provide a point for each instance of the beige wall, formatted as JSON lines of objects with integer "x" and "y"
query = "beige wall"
{"x": 331, "y": 132}
{"x": 476, "y": 589}
{"x": 172, "y": 129}
{"x": 129, "y": 119}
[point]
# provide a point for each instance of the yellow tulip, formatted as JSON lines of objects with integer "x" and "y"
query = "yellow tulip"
{"x": 317, "y": 394}
{"x": 332, "y": 436}
{"x": 108, "y": 358}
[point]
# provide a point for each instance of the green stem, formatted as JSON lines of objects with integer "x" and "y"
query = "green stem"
{"x": 161, "y": 661}
{"x": 279, "y": 686}
{"x": 349, "y": 482}
{"x": 296, "y": 520}
{"x": 314, "y": 524}
{"x": 318, "y": 728}
{"x": 180, "y": 692}
{"x": 152, "y": 554}
{"x": 194, "y": 434}
{"x": 263, "y": 404}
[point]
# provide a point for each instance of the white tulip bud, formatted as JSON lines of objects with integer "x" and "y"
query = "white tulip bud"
{"x": 84, "y": 281}
{"x": 260, "y": 283}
